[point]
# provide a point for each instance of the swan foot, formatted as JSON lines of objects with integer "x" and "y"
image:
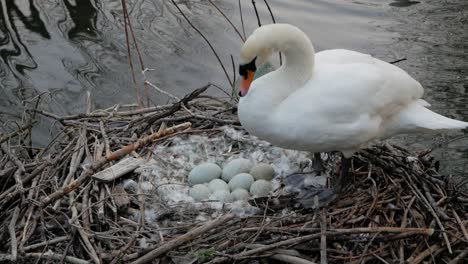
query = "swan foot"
{"x": 318, "y": 163}
{"x": 309, "y": 189}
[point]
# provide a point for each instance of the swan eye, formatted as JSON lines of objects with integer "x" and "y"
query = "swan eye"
{"x": 245, "y": 68}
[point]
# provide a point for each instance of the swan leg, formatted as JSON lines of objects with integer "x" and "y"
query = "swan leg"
{"x": 318, "y": 163}
{"x": 344, "y": 174}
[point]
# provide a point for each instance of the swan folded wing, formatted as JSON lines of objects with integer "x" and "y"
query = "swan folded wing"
{"x": 347, "y": 104}
{"x": 342, "y": 56}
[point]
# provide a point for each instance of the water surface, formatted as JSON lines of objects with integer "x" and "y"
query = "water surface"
{"x": 60, "y": 49}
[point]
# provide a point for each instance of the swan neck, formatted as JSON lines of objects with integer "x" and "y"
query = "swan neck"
{"x": 298, "y": 54}
{"x": 299, "y": 64}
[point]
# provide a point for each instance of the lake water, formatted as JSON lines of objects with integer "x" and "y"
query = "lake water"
{"x": 62, "y": 48}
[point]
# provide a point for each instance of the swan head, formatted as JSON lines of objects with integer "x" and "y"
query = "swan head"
{"x": 254, "y": 53}
{"x": 266, "y": 40}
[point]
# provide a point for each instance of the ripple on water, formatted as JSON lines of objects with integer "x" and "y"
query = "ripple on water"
{"x": 66, "y": 48}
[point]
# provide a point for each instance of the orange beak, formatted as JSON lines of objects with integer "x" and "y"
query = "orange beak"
{"x": 245, "y": 83}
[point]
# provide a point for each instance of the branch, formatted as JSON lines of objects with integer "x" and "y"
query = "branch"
{"x": 169, "y": 245}
{"x": 104, "y": 160}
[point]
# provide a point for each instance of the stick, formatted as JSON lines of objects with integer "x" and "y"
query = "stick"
{"x": 398, "y": 60}
{"x": 47, "y": 255}
{"x": 20, "y": 170}
{"x": 228, "y": 20}
{"x": 323, "y": 236}
{"x": 104, "y": 114}
{"x": 291, "y": 259}
{"x": 274, "y": 22}
{"x": 431, "y": 210}
{"x": 47, "y": 243}
{"x": 337, "y": 233}
{"x": 460, "y": 257}
{"x": 13, "y": 192}
{"x": 15, "y": 133}
{"x": 169, "y": 245}
{"x": 11, "y": 229}
{"x": 347, "y": 231}
{"x": 175, "y": 107}
{"x": 256, "y": 13}
{"x": 241, "y": 18}
{"x": 74, "y": 221}
{"x": 104, "y": 160}
{"x": 403, "y": 225}
{"x": 140, "y": 59}
{"x": 206, "y": 40}
{"x": 462, "y": 226}
{"x": 129, "y": 52}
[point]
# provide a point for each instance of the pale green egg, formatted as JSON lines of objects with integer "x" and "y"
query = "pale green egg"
{"x": 218, "y": 185}
{"x": 204, "y": 173}
{"x": 241, "y": 181}
{"x": 240, "y": 194}
{"x": 261, "y": 188}
{"x": 262, "y": 171}
{"x": 199, "y": 192}
{"x": 235, "y": 167}
{"x": 222, "y": 196}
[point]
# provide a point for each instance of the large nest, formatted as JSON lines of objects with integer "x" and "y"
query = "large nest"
{"x": 57, "y": 206}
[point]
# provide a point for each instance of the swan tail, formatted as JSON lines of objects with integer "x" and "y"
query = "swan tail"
{"x": 417, "y": 117}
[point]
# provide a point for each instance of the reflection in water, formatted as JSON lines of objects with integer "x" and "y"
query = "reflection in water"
{"x": 29, "y": 16}
{"x": 84, "y": 16}
{"x": 63, "y": 48}
{"x": 404, "y": 3}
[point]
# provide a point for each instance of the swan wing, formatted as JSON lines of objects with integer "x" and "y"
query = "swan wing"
{"x": 347, "y": 101}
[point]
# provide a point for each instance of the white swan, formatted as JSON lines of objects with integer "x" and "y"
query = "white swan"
{"x": 334, "y": 100}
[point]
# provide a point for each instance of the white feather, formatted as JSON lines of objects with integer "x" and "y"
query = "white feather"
{"x": 334, "y": 100}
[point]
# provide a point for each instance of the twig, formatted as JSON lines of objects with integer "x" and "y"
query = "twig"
{"x": 274, "y": 22}
{"x": 269, "y": 10}
{"x": 419, "y": 258}
{"x": 47, "y": 243}
{"x": 11, "y": 230}
{"x": 169, "y": 245}
{"x": 206, "y": 40}
{"x": 129, "y": 53}
{"x": 162, "y": 91}
{"x": 104, "y": 114}
{"x": 460, "y": 223}
{"x": 291, "y": 259}
{"x": 47, "y": 255}
{"x": 105, "y": 137}
{"x": 16, "y": 132}
{"x": 398, "y": 60}
{"x": 431, "y": 210}
{"x": 140, "y": 58}
{"x": 20, "y": 168}
{"x": 323, "y": 236}
{"x": 242, "y": 19}
{"x": 366, "y": 248}
{"x": 256, "y": 13}
{"x": 228, "y": 20}
{"x": 403, "y": 225}
{"x": 175, "y": 107}
{"x": 74, "y": 221}
{"x": 233, "y": 88}
{"x": 460, "y": 257}
{"x": 348, "y": 231}
{"x": 335, "y": 233}
{"x": 113, "y": 156}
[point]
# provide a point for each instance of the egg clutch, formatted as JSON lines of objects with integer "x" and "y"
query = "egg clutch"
{"x": 238, "y": 180}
